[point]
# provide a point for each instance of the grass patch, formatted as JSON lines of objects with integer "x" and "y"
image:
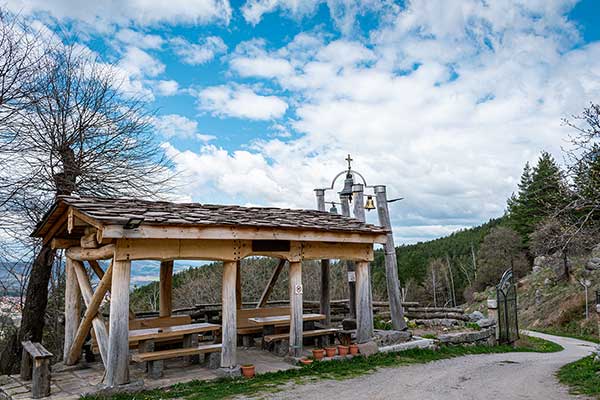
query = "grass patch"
{"x": 568, "y": 333}
{"x": 583, "y": 376}
{"x": 275, "y": 381}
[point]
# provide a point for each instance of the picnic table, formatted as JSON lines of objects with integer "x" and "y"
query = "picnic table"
{"x": 147, "y": 337}
{"x": 269, "y": 323}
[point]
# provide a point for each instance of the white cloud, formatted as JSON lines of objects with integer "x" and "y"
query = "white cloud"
{"x": 444, "y": 104}
{"x": 167, "y": 87}
{"x": 138, "y": 63}
{"x": 174, "y": 125}
{"x": 196, "y": 54}
{"x": 100, "y": 14}
{"x": 240, "y": 102}
{"x": 139, "y": 39}
{"x": 343, "y": 12}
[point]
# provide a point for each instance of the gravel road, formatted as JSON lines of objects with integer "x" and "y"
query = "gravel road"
{"x": 495, "y": 376}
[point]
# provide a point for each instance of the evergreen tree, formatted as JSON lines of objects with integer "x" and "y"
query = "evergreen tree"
{"x": 542, "y": 193}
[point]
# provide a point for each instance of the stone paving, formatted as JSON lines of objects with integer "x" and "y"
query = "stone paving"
{"x": 69, "y": 383}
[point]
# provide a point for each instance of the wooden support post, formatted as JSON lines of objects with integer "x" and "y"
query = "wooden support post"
{"x": 325, "y": 300}
{"x": 391, "y": 263}
{"x": 359, "y": 214}
{"x": 92, "y": 317}
{"x": 296, "y": 323}
{"x": 238, "y": 285}
{"x": 350, "y": 267}
{"x": 364, "y": 309}
{"x": 40, "y": 380}
{"x": 269, "y": 288}
{"x": 117, "y": 370}
{"x": 95, "y": 266}
{"x": 166, "y": 288}
{"x": 72, "y": 306}
{"x": 229, "y": 326}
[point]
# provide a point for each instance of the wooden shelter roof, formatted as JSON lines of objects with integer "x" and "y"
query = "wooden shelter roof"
{"x": 116, "y": 212}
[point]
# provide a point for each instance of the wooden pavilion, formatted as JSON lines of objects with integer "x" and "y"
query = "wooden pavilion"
{"x": 123, "y": 230}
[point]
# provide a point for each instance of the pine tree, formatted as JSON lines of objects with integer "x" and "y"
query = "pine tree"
{"x": 542, "y": 192}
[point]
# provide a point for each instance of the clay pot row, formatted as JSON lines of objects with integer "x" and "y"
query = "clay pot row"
{"x": 318, "y": 354}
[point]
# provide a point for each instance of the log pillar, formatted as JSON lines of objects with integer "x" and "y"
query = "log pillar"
{"x": 296, "y": 323}
{"x": 359, "y": 213}
{"x": 364, "y": 307}
{"x": 229, "y": 328}
{"x": 72, "y": 306}
{"x": 325, "y": 299}
{"x": 166, "y": 288}
{"x": 238, "y": 285}
{"x": 117, "y": 369}
{"x": 350, "y": 266}
{"x": 391, "y": 263}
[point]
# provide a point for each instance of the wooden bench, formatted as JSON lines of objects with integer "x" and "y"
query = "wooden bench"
{"x": 324, "y": 336}
{"x": 148, "y": 337}
{"x": 35, "y": 366}
{"x": 246, "y": 327}
{"x": 154, "y": 322}
{"x": 155, "y": 369}
{"x": 247, "y": 330}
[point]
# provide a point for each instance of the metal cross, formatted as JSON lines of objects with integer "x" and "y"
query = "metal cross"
{"x": 349, "y": 159}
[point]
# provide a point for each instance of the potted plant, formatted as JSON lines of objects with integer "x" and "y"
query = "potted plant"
{"x": 248, "y": 370}
{"x": 330, "y": 351}
{"x": 353, "y": 349}
{"x": 318, "y": 354}
{"x": 306, "y": 361}
{"x": 342, "y": 350}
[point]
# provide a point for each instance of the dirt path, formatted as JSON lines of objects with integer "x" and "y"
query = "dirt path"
{"x": 495, "y": 376}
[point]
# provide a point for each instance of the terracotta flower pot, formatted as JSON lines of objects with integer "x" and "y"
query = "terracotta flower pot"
{"x": 306, "y": 361}
{"x": 318, "y": 354}
{"x": 248, "y": 371}
{"x": 330, "y": 351}
{"x": 342, "y": 350}
{"x": 353, "y": 349}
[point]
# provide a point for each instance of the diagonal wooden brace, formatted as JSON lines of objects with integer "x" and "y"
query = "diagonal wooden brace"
{"x": 91, "y": 317}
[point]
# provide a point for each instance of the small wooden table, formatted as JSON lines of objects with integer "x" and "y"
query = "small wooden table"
{"x": 268, "y": 323}
{"x": 147, "y": 337}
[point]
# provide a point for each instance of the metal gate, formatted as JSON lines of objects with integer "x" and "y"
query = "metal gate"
{"x": 506, "y": 292}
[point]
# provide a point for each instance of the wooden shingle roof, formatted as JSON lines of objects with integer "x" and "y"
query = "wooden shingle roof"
{"x": 117, "y": 211}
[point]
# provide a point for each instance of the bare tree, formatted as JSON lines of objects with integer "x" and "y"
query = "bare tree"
{"x": 78, "y": 133}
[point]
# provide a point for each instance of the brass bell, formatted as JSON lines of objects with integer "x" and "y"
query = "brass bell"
{"x": 370, "y": 204}
{"x": 333, "y": 209}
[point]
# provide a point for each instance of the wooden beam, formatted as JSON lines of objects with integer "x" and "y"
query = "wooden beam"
{"x": 364, "y": 308}
{"x": 91, "y": 317}
{"x": 72, "y": 306}
{"x": 81, "y": 254}
{"x": 100, "y": 273}
{"x": 95, "y": 266}
{"x": 88, "y": 241}
{"x": 325, "y": 300}
{"x": 60, "y": 222}
{"x": 238, "y": 285}
{"x": 241, "y": 233}
{"x": 172, "y": 249}
{"x": 271, "y": 284}
{"x": 63, "y": 243}
{"x": 117, "y": 369}
{"x": 166, "y": 288}
{"x": 229, "y": 326}
{"x": 340, "y": 251}
{"x": 227, "y": 250}
{"x": 296, "y": 322}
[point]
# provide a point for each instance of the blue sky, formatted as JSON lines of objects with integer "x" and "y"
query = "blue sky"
{"x": 259, "y": 101}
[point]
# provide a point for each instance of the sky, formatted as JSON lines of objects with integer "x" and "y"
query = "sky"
{"x": 258, "y": 102}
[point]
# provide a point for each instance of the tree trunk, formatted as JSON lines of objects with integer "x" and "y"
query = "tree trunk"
{"x": 34, "y": 310}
